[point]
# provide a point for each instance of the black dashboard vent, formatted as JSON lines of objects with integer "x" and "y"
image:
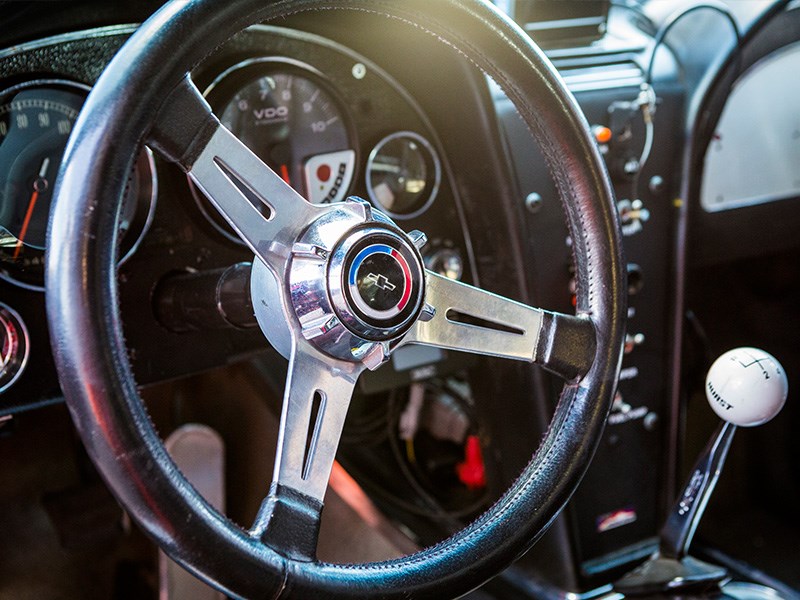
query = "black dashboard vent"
{"x": 556, "y": 22}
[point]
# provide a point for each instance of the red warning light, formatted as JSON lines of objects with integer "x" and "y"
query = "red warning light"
{"x": 323, "y": 173}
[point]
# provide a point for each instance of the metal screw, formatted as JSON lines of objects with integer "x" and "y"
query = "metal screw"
{"x": 359, "y": 71}
{"x": 533, "y": 202}
{"x": 427, "y": 313}
{"x": 656, "y": 184}
{"x": 418, "y": 238}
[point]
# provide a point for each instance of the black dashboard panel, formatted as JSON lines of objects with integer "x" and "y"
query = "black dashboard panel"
{"x": 614, "y": 520}
{"x": 182, "y": 239}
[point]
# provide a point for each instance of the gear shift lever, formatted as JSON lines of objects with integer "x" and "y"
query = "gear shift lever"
{"x": 745, "y": 387}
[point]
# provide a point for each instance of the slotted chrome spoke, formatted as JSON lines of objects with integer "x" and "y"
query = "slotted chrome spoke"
{"x": 306, "y": 446}
{"x": 264, "y": 210}
{"x": 315, "y": 403}
{"x": 472, "y": 320}
{"x": 260, "y": 206}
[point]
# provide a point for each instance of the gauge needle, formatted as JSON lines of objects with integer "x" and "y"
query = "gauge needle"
{"x": 25, "y": 223}
{"x": 31, "y": 206}
{"x": 285, "y": 174}
{"x": 386, "y": 168}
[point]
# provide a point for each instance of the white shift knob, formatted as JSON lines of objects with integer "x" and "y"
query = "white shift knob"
{"x": 746, "y": 386}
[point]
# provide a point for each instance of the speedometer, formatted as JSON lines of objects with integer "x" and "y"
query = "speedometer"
{"x": 290, "y": 117}
{"x": 36, "y": 119}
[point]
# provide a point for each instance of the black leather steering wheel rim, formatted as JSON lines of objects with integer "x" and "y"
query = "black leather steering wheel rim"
{"x": 92, "y": 360}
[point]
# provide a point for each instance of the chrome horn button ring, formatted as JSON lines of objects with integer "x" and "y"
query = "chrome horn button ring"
{"x": 376, "y": 282}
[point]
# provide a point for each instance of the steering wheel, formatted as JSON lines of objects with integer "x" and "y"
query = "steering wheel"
{"x": 336, "y": 289}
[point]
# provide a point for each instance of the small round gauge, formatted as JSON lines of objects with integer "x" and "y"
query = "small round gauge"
{"x": 288, "y": 115}
{"x": 403, "y": 174}
{"x": 36, "y": 119}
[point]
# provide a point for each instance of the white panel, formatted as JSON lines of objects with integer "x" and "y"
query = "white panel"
{"x": 755, "y": 154}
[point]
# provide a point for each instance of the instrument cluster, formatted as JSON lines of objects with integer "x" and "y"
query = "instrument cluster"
{"x": 327, "y": 120}
{"x": 322, "y": 126}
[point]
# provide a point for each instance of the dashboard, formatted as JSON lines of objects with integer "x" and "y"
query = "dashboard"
{"x": 343, "y": 108}
{"x": 333, "y": 124}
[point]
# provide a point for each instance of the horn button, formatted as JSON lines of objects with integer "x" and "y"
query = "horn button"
{"x": 377, "y": 284}
{"x": 355, "y": 283}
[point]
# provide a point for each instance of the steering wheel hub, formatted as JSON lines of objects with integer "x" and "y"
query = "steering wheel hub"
{"x": 355, "y": 283}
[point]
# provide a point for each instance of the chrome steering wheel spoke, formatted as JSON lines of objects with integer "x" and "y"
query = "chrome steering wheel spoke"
{"x": 465, "y": 318}
{"x": 259, "y": 205}
{"x": 315, "y": 403}
{"x": 264, "y": 210}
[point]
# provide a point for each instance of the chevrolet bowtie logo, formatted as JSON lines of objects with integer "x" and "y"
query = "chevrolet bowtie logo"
{"x": 380, "y": 281}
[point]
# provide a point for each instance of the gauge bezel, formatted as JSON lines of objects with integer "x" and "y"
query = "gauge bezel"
{"x": 23, "y": 330}
{"x": 437, "y": 170}
{"x": 230, "y": 81}
{"x": 85, "y": 90}
{"x": 148, "y": 158}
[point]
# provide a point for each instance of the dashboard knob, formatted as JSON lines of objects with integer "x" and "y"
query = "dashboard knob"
{"x": 632, "y": 215}
{"x": 746, "y": 386}
{"x": 14, "y": 346}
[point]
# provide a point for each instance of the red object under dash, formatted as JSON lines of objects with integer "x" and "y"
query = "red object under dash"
{"x": 472, "y": 472}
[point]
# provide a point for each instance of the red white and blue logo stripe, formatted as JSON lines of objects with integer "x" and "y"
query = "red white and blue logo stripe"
{"x": 380, "y": 281}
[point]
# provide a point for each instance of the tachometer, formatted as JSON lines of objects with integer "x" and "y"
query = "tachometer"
{"x": 36, "y": 119}
{"x": 288, "y": 115}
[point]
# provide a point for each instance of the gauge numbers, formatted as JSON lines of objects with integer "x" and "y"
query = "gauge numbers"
{"x": 292, "y": 123}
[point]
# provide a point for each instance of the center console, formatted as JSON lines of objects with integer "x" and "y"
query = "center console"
{"x": 614, "y": 517}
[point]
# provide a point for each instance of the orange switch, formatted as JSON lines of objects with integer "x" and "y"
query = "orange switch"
{"x": 602, "y": 134}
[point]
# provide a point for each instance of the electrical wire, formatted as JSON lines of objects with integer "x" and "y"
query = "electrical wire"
{"x": 647, "y": 104}
{"x": 648, "y": 143}
{"x": 676, "y": 17}
{"x": 423, "y": 494}
{"x": 428, "y": 507}
{"x": 647, "y": 99}
{"x": 433, "y": 508}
